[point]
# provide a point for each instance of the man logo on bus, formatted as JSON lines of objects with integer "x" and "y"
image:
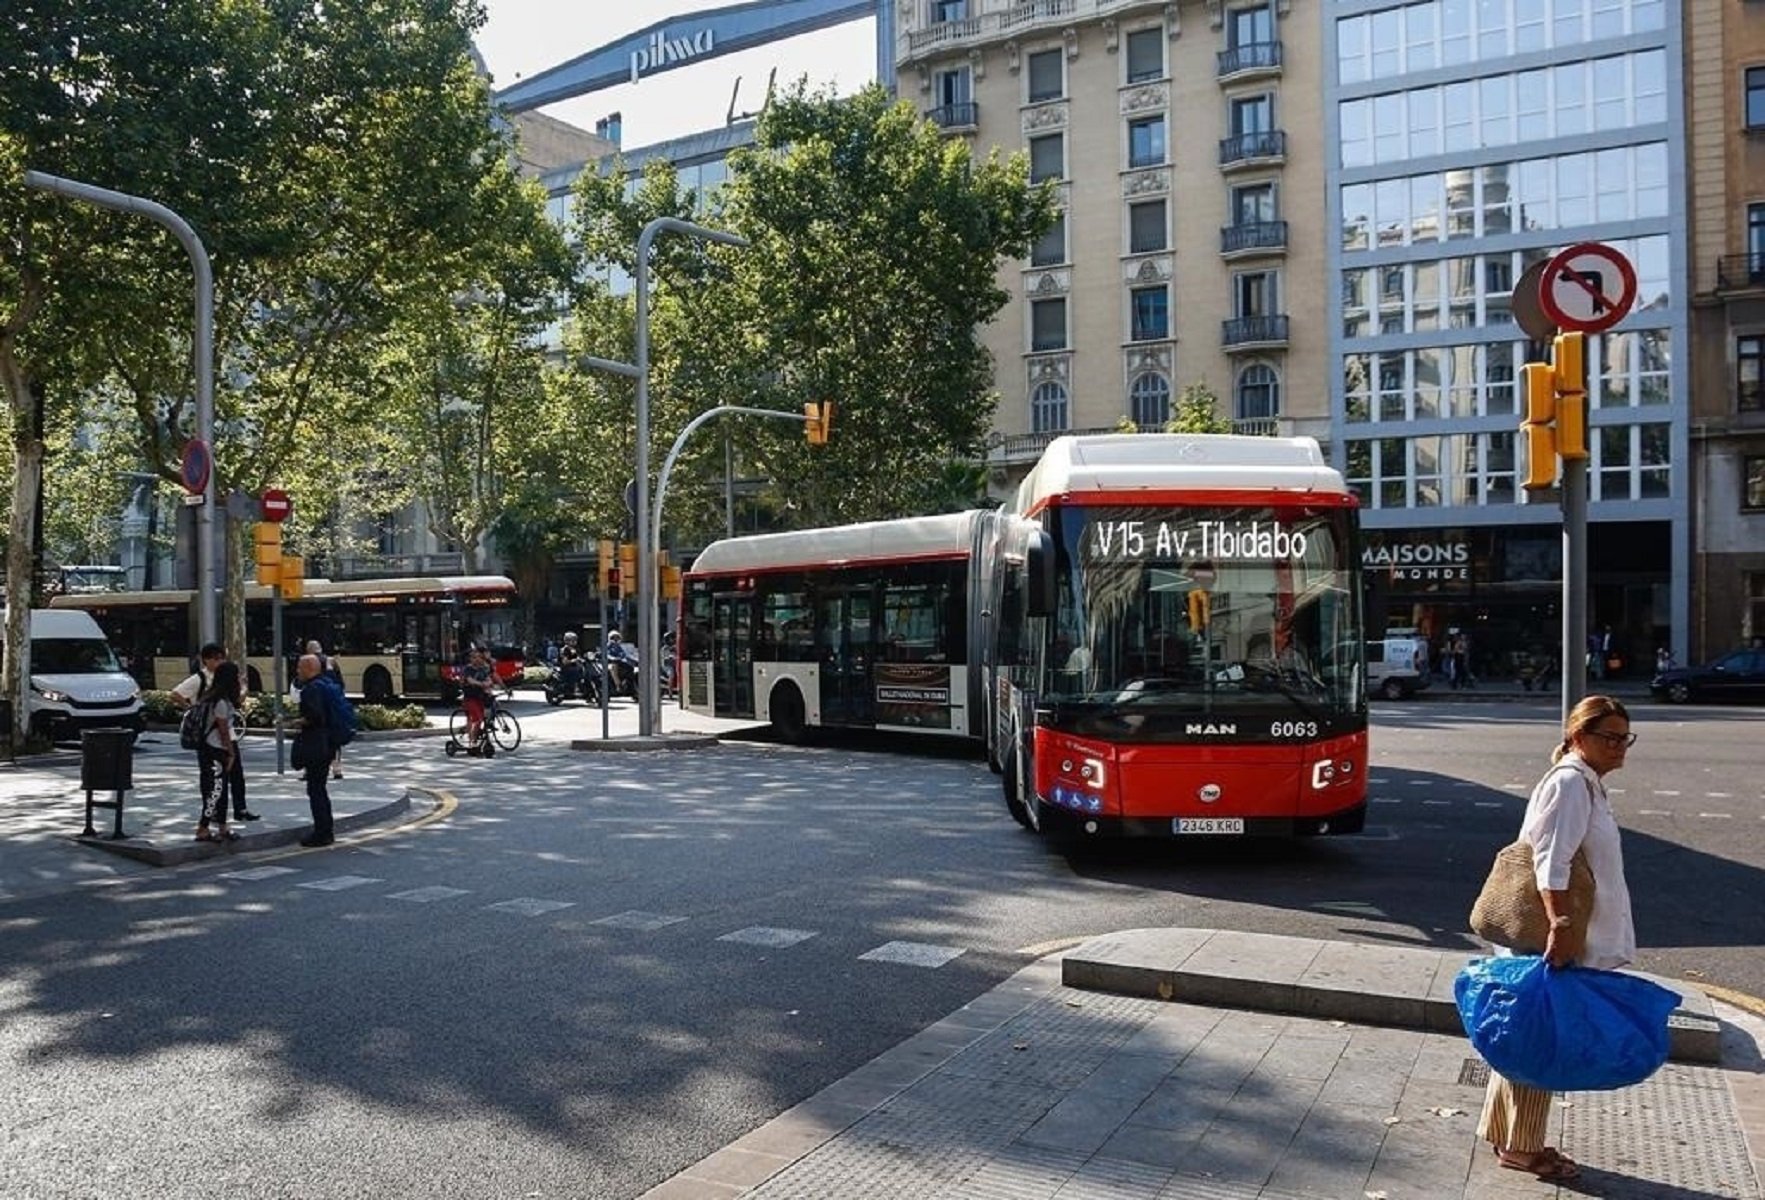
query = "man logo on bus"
{"x": 1210, "y": 729}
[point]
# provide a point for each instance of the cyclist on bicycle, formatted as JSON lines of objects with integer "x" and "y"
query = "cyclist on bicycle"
{"x": 476, "y": 681}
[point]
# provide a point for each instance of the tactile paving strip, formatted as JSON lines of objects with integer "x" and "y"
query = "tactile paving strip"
{"x": 1673, "y": 1134}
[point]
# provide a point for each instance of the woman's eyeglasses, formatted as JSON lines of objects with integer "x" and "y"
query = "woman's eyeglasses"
{"x": 1614, "y": 739}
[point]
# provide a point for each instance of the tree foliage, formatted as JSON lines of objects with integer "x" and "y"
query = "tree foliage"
{"x": 1197, "y": 411}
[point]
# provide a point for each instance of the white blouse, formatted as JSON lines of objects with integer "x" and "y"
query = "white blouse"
{"x": 1569, "y": 811}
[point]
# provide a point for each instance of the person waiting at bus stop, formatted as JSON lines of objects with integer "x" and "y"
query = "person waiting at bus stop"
{"x": 188, "y": 693}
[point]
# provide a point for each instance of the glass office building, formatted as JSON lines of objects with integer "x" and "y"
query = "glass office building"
{"x": 1466, "y": 140}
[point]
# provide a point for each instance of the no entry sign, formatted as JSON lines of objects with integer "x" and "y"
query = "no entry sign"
{"x": 275, "y": 504}
{"x": 1588, "y": 287}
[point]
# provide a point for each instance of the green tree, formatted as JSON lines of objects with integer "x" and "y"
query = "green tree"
{"x": 1197, "y": 411}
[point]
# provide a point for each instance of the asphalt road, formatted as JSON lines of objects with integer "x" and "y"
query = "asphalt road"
{"x": 539, "y": 995}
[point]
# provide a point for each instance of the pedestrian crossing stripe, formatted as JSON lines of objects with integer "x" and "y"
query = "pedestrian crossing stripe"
{"x": 911, "y": 954}
{"x": 764, "y": 935}
{"x": 428, "y": 895}
{"x": 338, "y": 883}
{"x": 527, "y": 906}
{"x": 256, "y": 873}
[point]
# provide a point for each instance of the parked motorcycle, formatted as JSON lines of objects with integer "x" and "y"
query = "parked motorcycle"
{"x": 582, "y": 681}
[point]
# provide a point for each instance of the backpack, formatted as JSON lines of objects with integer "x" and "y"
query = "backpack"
{"x": 340, "y": 718}
{"x": 193, "y": 727}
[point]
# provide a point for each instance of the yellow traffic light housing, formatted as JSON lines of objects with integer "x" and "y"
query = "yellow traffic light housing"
{"x": 1200, "y": 609}
{"x": 293, "y": 581}
{"x": 1569, "y": 376}
{"x": 267, "y": 538}
{"x": 819, "y": 421}
{"x": 604, "y": 564}
{"x": 625, "y": 578}
{"x": 1538, "y": 385}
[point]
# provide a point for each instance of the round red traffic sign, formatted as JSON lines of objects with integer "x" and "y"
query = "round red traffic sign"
{"x": 195, "y": 467}
{"x": 275, "y": 504}
{"x": 1588, "y": 287}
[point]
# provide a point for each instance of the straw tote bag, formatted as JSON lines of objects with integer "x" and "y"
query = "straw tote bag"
{"x": 1509, "y": 911}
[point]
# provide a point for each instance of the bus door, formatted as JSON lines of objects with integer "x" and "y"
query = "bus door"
{"x": 732, "y": 655}
{"x": 843, "y": 644}
{"x": 421, "y": 653}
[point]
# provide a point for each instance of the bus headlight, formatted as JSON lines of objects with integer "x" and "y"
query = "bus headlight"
{"x": 1091, "y": 771}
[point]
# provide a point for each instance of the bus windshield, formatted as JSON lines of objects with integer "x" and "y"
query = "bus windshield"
{"x": 1167, "y": 613}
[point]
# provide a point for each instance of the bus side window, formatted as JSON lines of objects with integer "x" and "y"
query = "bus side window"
{"x": 1011, "y": 614}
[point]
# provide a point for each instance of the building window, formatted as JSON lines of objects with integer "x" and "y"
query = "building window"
{"x": 1146, "y": 230}
{"x": 1259, "y": 393}
{"x": 1253, "y": 204}
{"x": 953, "y": 88}
{"x": 1253, "y": 114}
{"x": 1145, "y": 55}
{"x": 1048, "y": 408}
{"x": 1756, "y": 97}
{"x": 1755, "y": 614}
{"x": 1048, "y": 324}
{"x": 1146, "y": 142}
{"x": 1149, "y": 401}
{"x": 949, "y": 10}
{"x": 1253, "y": 294}
{"x": 1047, "y": 157}
{"x": 1753, "y": 479}
{"x": 1050, "y": 248}
{"x": 1047, "y": 80}
{"x": 1756, "y": 242}
{"x": 1250, "y": 27}
{"x": 1152, "y": 313}
{"x": 1749, "y": 373}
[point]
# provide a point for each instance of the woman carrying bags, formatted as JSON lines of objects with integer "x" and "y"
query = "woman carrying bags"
{"x": 220, "y": 751}
{"x": 1569, "y": 812}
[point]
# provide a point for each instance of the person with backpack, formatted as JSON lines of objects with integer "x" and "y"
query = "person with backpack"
{"x": 313, "y": 750}
{"x": 331, "y": 673}
{"x": 219, "y": 748}
{"x": 192, "y": 731}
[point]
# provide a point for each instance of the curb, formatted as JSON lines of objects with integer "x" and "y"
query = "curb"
{"x": 658, "y": 741}
{"x": 142, "y": 850}
{"x": 1342, "y": 981}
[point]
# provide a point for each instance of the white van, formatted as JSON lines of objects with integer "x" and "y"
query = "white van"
{"x": 1397, "y": 665}
{"x": 76, "y": 681}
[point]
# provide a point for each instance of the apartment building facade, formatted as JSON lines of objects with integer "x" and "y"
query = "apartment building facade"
{"x": 1725, "y": 98}
{"x": 1465, "y": 141}
{"x": 1182, "y": 138}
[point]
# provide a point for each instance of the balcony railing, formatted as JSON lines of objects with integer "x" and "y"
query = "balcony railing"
{"x": 944, "y": 32}
{"x": 1257, "y": 426}
{"x": 1027, "y": 447}
{"x": 1257, "y": 331}
{"x": 956, "y": 116}
{"x": 1258, "y": 56}
{"x": 1736, "y": 271}
{"x": 1253, "y": 235}
{"x": 1246, "y": 147}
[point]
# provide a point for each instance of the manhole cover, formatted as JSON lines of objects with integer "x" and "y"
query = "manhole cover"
{"x": 1474, "y": 1073}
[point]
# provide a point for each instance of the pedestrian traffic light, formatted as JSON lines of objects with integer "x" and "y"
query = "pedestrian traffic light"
{"x": 819, "y": 421}
{"x": 293, "y": 576}
{"x": 1200, "y": 609}
{"x": 604, "y": 567}
{"x": 1569, "y": 377}
{"x": 267, "y": 537}
{"x": 1538, "y": 385}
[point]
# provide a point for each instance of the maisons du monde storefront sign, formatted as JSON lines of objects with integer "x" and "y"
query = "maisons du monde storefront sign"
{"x": 1425, "y": 560}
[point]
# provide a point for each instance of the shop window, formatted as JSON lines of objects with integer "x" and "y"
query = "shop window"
{"x": 1753, "y": 479}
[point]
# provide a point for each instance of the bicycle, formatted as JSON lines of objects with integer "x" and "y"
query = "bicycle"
{"x": 500, "y": 731}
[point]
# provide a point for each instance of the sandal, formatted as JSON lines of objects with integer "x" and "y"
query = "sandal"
{"x": 203, "y": 834}
{"x": 1549, "y": 1164}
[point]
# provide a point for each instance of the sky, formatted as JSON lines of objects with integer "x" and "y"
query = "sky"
{"x": 523, "y": 37}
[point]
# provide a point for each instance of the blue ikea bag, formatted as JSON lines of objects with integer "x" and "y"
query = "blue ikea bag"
{"x": 1572, "y": 1029}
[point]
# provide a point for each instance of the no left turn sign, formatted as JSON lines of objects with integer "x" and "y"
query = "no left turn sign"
{"x": 1588, "y": 287}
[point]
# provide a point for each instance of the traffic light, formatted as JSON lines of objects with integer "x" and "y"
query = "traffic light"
{"x": 1569, "y": 375}
{"x": 604, "y": 566}
{"x": 667, "y": 577}
{"x": 1538, "y": 384}
{"x": 819, "y": 422}
{"x": 1200, "y": 609}
{"x": 293, "y": 576}
{"x": 267, "y": 536}
{"x": 627, "y": 579}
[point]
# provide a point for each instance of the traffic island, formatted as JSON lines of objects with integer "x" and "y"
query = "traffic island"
{"x": 655, "y": 741}
{"x": 165, "y": 833}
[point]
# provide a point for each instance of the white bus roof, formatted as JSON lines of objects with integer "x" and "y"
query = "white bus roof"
{"x": 312, "y": 589}
{"x": 911, "y": 537}
{"x": 1199, "y": 461}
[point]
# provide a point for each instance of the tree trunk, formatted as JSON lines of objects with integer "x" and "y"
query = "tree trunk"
{"x": 233, "y": 535}
{"x": 27, "y": 484}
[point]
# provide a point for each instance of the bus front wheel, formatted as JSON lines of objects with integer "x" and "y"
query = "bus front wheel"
{"x": 787, "y": 714}
{"x": 1014, "y": 802}
{"x": 377, "y": 686}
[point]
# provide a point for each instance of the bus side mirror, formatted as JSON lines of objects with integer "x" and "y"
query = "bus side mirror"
{"x": 1039, "y": 575}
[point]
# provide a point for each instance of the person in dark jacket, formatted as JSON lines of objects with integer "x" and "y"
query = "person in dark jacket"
{"x": 314, "y": 750}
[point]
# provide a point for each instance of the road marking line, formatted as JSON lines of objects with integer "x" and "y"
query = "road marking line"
{"x": 912, "y": 954}
{"x": 1464, "y": 783}
{"x": 1488, "y": 804}
{"x": 1614, "y": 791}
{"x": 1378, "y": 779}
{"x": 256, "y": 873}
{"x": 1719, "y": 795}
{"x": 1717, "y": 816}
{"x": 526, "y": 906}
{"x": 765, "y": 935}
{"x": 1666, "y": 793}
{"x": 1443, "y": 802}
{"x": 428, "y": 895}
{"x": 1518, "y": 787}
{"x": 1421, "y": 783}
{"x": 338, "y": 883}
{"x": 1653, "y": 812}
{"x": 1387, "y": 799}
{"x": 639, "y": 920}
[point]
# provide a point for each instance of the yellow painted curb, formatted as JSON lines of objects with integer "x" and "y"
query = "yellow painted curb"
{"x": 1741, "y": 1000}
{"x": 445, "y": 804}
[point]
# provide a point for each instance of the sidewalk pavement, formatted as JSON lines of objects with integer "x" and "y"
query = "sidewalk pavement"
{"x": 42, "y": 813}
{"x": 1043, "y": 1089}
{"x": 1631, "y": 691}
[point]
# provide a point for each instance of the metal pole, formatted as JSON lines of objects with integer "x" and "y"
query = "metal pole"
{"x": 276, "y": 675}
{"x": 1574, "y": 577}
{"x": 728, "y": 487}
{"x": 600, "y": 658}
{"x": 204, "y": 347}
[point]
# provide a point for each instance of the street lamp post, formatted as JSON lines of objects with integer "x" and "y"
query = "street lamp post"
{"x": 648, "y": 631}
{"x": 204, "y": 346}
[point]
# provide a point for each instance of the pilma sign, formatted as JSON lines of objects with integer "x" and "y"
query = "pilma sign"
{"x": 664, "y": 51}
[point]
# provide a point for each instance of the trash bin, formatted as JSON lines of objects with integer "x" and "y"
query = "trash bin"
{"x": 107, "y": 760}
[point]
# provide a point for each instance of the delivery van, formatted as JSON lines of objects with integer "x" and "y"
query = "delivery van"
{"x": 1397, "y": 664}
{"x": 76, "y": 681}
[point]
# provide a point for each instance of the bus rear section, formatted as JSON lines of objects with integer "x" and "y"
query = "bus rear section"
{"x": 1195, "y": 665}
{"x": 860, "y": 626}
